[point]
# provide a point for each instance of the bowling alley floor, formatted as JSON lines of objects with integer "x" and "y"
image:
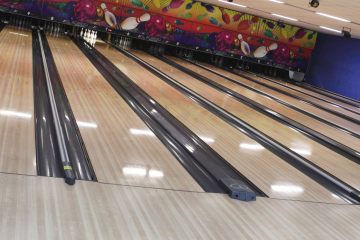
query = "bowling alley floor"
{"x": 45, "y": 208}
{"x": 116, "y": 207}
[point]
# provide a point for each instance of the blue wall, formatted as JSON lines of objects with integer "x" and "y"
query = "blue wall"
{"x": 335, "y": 65}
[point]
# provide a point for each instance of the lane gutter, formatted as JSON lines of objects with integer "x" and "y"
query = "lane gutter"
{"x": 345, "y": 130}
{"x": 69, "y": 174}
{"x": 224, "y": 178}
{"x": 342, "y": 115}
{"x": 278, "y": 82}
{"x": 77, "y": 152}
{"x": 334, "y": 145}
{"x": 318, "y": 174}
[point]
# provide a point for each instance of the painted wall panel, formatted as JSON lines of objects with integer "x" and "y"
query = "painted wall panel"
{"x": 335, "y": 65}
{"x": 191, "y": 23}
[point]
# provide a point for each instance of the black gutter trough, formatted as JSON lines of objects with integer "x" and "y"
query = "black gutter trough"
{"x": 47, "y": 150}
{"x": 77, "y": 152}
{"x": 341, "y": 115}
{"x": 225, "y": 177}
{"x": 336, "y": 146}
{"x": 72, "y": 153}
{"x": 319, "y": 175}
{"x": 341, "y": 98}
{"x": 347, "y": 131}
{"x": 278, "y": 82}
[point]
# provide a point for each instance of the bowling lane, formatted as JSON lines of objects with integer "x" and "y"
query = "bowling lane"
{"x": 17, "y": 134}
{"x": 312, "y": 93}
{"x": 314, "y": 110}
{"x": 332, "y": 95}
{"x": 121, "y": 147}
{"x": 270, "y": 173}
{"x": 316, "y": 125}
{"x": 310, "y": 98}
{"x": 325, "y": 158}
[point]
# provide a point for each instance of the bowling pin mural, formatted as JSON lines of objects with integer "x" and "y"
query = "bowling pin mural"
{"x": 132, "y": 22}
{"x": 262, "y": 51}
{"x": 110, "y": 18}
{"x": 87, "y": 35}
{"x": 191, "y": 22}
{"x": 245, "y": 48}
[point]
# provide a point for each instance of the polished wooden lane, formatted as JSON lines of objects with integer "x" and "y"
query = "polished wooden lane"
{"x": 121, "y": 147}
{"x": 325, "y": 158}
{"x": 318, "y": 112}
{"x": 270, "y": 173}
{"x": 17, "y": 134}
{"x": 331, "y": 94}
{"x": 308, "y": 91}
{"x": 327, "y": 130}
{"x": 310, "y": 122}
{"x": 309, "y": 98}
{"x": 45, "y": 208}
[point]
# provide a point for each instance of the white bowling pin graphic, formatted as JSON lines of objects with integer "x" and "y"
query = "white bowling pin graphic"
{"x": 110, "y": 18}
{"x": 87, "y": 35}
{"x": 245, "y": 48}
{"x": 261, "y": 52}
{"x": 132, "y": 22}
{"x": 92, "y": 41}
{"x": 93, "y": 37}
{"x": 120, "y": 42}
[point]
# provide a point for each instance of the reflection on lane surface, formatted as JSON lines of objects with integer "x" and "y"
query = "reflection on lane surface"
{"x": 122, "y": 149}
{"x": 261, "y": 166}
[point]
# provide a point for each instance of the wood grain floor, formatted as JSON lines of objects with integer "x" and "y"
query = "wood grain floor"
{"x": 17, "y": 135}
{"x": 46, "y": 208}
{"x": 323, "y": 157}
{"x": 142, "y": 207}
{"x": 310, "y": 99}
{"x": 262, "y": 167}
{"x": 307, "y": 91}
{"x": 297, "y": 103}
{"x": 121, "y": 147}
{"x": 308, "y": 121}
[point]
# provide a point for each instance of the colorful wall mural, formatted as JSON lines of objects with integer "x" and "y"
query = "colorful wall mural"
{"x": 187, "y": 22}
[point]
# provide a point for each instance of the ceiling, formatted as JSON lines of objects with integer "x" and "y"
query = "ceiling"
{"x": 306, "y": 15}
